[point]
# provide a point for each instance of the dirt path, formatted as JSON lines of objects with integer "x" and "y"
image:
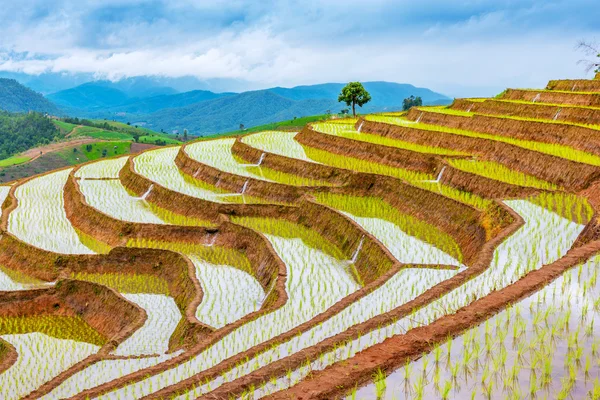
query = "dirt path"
{"x": 74, "y": 131}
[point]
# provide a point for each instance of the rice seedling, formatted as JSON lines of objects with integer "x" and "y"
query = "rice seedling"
{"x": 40, "y": 218}
{"x": 283, "y": 144}
{"x": 501, "y": 173}
{"x": 41, "y": 358}
{"x": 277, "y": 142}
{"x": 159, "y": 166}
{"x": 11, "y": 280}
{"x": 393, "y": 228}
{"x": 105, "y": 169}
{"x": 553, "y": 149}
{"x": 347, "y": 131}
{"x": 217, "y": 154}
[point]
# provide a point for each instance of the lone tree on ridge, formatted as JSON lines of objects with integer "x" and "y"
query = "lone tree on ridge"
{"x": 354, "y": 93}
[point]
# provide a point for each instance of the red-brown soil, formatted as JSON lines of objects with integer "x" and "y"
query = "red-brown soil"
{"x": 332, "y": 175}
{"x": 564, "y": 173}
{"x": 579, "y": 137}
{"x": 392, "y": 156}
{"x": 8, "y": 355}
{"x": 139, "y": 147}
{"x": 294, "y": 361}
{"x": 581, "y": 115}
{"x": 579, "y": 85}
{"x": 338, "y": 379}
{"x": 574, "y": 98}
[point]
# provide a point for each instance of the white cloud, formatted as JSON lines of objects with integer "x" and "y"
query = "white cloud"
{"x": 486, "y": 45}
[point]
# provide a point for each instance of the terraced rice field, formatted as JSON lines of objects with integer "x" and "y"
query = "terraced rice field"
{"x": 447, "y": 252}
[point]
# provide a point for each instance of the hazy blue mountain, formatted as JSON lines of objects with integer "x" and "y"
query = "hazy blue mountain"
{"x": 15, "y": 97}
{"x": 97, "y": 95}
{"x": 140, "y": 87}
{"x": 203, "y": 112}
{"x": 277, "y": 104}
{"x": 382, "y": 93}
{"x": 89, "y": 96}
{"x": 221, "y": 114}
{"x": 152, "y": 104}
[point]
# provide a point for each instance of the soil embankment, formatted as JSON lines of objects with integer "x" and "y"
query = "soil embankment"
{"x": 571, "y": 175}
{"x": 566, "y": 113}
{"x": 580, "y": 137}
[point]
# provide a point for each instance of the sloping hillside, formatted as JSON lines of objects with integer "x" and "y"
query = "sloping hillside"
{"x": 19, "y": 132}
{"x": 156, "y": 103}
{"x": 223, "y": 114}
{"x": 15, "y": 97}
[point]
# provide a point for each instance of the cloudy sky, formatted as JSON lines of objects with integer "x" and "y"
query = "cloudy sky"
{"x": 460, "y": 48}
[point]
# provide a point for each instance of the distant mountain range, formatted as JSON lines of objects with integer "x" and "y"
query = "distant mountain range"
{"x": 149, "y": 103}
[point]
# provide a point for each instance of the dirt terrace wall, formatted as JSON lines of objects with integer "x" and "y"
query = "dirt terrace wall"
{"x": 179, "y": 203}
{"x": 450, "y": 225}
{"x": 482, "y": 186}
{"x": 386, "y": 155}
{"x": 574, "y": 98}
{"x": 235, "y": 183}
{"x": 469, "y": 227}
{"x": 100, "y": 307}
{"x": 181, "y": 276}
{"x": 302, "y": 168}
{"x": 568, "y": 174}
{"x": 591, "y": 231}
{"x": 347, "y": 240}
{"x": 8, "y": 355}
{"x": 279, "y": 368}
{"x": 340, "y": 378}
{"x": 574, "y": 85}
{"x": 579, "y": 137}
{"x": 578, "y": 115}
{"x": 373, "y": 259}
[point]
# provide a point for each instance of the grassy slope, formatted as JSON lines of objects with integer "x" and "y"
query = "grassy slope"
{"x": 126, "y": 132}
{"x": 80, "y": 154}
{"x": 293, "y": 124}
{"x": 14, "y": 160}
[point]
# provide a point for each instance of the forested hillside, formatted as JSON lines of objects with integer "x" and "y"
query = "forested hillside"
{"x": 19, "y": 132}
{"x": 15, "y": 97}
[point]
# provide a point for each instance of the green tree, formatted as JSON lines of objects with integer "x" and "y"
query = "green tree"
{"x": 412, "y": 101}
{"x": 354, "y": 94}
{"x": 185, "y": 135}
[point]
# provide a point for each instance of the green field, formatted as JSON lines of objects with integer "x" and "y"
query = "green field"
{"x": 131, "y": 130}
{"x": 80, "y": 154}
{"x": 14, "y": 160}
{"x": 297, "y": 123}
{"x": 63, "y": 126}
{"x": 124, "y": 133}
